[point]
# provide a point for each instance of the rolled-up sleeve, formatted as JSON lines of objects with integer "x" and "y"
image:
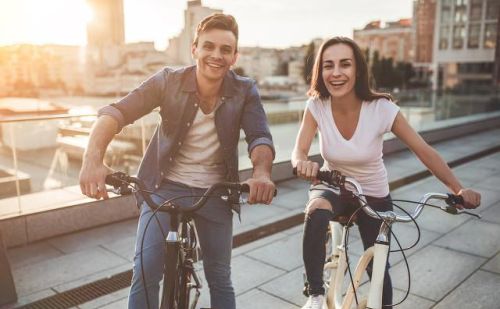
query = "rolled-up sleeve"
{"x": 139, "y": 102}
{"x": 254, "y": 121}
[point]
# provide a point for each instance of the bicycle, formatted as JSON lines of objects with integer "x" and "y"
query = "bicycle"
{"x": 181, "y": 240}
{"x": 337, "y": 260}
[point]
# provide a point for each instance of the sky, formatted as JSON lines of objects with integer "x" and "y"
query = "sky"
{"x": 265, "y": 23}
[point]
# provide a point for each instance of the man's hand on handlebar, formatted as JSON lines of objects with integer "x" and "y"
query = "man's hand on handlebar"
{"x": 92, "y": 179}
{"x": 262, "y": 190}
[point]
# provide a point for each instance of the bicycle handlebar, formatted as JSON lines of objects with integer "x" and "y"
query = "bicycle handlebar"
{"x": 336, "y": 179}
{"x": 120, "y": 180}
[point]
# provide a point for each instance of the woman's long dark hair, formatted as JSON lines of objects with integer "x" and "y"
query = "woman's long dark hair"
{"x": 361, "y": 87}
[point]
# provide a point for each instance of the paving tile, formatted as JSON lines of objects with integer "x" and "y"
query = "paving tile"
{"x": 493, "y": 264}
{"x": 119, "y": 304}
{"x": 32, "y": 253}
{"x": 71, "y": 284}
{"x": 259, "y": 299}
{"x": 285, "y": 253}
{"x": 36, "y": 277}
{"x": 288, "y": 286}
{"x": 122, "y": 246}
{"x": 27, "y": 299}
{"x": 478, "y": 291}
{"x": 258, "y": 243}
{"x": 465, "y": 238}
{"x": 248, "y": 273}
{"x": 491, "y": 183}
{"x": 435, "y": 271}
{"x": 488, "y": 198}
{"x": 292, "y": 200}
{"x": 256, "y": 214}
{"x": 412, "y": 302}
{"x": 94, "y": 237}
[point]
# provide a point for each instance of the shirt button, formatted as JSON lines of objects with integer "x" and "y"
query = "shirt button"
{"x": 179, "y": 143}
{"x": 157, "y": 186}
{"x": 162, "y": 174}
{"x": 188, "y": 124}
{"x": 195, "y": 104}
{"x": 170, "y": 159}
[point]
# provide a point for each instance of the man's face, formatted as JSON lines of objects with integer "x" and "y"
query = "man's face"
{"x": 215, "y": 53}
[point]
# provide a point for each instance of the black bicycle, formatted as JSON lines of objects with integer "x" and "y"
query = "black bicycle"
{"x": 180, "y": 278}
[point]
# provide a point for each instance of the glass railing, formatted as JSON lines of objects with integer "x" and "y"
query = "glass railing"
{"x": 40, "y": 156}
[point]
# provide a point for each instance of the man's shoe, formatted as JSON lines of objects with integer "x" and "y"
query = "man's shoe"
{"x": 315, "y": 302}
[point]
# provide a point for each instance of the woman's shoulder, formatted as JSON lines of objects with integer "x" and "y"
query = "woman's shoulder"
{"x": 316, "y": 102}
{"x": 382, "y": 104}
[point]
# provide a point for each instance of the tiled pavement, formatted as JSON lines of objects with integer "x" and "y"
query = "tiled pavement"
{"x": 455, "y": 265}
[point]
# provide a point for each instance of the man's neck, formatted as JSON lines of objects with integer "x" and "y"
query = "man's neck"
{"x": 208, "y": 88}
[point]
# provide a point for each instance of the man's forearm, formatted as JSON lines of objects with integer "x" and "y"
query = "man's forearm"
{"x": 103, "y": 131}
{"x": 262, "y": 161}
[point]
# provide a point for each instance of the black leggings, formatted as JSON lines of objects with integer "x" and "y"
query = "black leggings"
{"x": 315, "y": 229}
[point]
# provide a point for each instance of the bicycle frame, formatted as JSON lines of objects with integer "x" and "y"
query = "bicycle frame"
{"x": 337, "y": 266}
{"x": 178, "y": 252}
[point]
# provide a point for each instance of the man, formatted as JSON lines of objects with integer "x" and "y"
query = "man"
{"x": 202, "y": 109}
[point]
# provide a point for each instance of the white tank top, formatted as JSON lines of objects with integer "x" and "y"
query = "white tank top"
{"x": 361, "y": 156}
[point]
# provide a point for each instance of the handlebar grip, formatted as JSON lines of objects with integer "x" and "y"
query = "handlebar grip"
{"x": 113, "y": 180}
{"x": 245, "y": 188}
{"x": 453, "y": 200}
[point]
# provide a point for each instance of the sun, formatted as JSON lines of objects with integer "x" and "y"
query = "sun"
{"x": 58, "y": 21}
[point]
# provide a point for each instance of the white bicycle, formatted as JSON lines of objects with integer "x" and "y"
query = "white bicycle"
{"x": 336, "y": 265}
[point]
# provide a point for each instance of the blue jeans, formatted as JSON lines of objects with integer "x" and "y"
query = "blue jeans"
{"x": 214, "y": 225}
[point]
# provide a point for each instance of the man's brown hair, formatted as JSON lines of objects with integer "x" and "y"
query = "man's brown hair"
{"x": 217, "y": 21}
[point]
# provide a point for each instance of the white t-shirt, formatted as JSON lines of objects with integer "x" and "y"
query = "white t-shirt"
{"x": 361, "y": 156}
{"x": 199, "y": 162}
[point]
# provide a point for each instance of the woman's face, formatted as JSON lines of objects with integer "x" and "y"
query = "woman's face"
{"x": 339, "y": 70}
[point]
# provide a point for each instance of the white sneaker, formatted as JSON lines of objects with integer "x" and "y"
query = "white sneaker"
{"x": 315, "y": 302}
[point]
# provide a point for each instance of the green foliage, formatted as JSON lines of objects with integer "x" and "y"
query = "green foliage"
{"x": 386, "y": 74}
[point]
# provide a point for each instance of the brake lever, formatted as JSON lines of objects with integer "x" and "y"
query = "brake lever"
{"x": 455, "y": 211}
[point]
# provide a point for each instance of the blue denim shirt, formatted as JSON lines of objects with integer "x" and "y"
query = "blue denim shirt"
{"x": 175, "y": 93}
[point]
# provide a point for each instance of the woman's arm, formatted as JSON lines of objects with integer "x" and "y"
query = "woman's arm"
{"x": 432, "y": 160}
{"x": 305, "y": 168}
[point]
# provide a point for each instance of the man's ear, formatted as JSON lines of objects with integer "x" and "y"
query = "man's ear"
{"x": 235, "y": 58}
{"x": 194, "y": 53}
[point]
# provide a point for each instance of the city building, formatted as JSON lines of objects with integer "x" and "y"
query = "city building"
{"x": 27, "y": 70}
{"x": 179, "y": 48}
{"x": 107, "y": 27}
{"x": 424, "y": 15}
{"x": 464, "y": 43}
{"x": 392, "y": 40}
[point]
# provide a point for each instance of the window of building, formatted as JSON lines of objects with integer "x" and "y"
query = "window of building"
{"x": 474, "y": 35}
{"x": 476, "y": 8}
{"x": 460, "y": 12}
{"x": 445, "y": 11}
{"x": 458, "y": 36}
{"x": 492, "y": 9}
{"x": 443, "y": 37}
{"x": 490, "y": 35}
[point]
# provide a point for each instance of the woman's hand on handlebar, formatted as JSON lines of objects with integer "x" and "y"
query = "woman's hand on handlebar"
{"x": 307, "y": 170}
{"x": 472, "y": 199}
{"x": 92, "y": 179}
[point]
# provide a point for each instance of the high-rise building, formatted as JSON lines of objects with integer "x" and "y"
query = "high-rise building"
{"x": 424, "y": 16}
{"x": 179, "y": 48}
{"x": 107, "y": 27}
{"x": 465, "y": 37}
{"x": 392, "y": 41}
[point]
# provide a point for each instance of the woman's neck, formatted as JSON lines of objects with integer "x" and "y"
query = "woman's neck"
{"x": 346, "y": 104}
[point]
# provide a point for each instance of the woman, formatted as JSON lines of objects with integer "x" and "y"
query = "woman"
{"x": 352, "y": 119}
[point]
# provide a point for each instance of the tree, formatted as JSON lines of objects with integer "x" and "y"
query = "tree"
{"x": 308, "y": 63}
